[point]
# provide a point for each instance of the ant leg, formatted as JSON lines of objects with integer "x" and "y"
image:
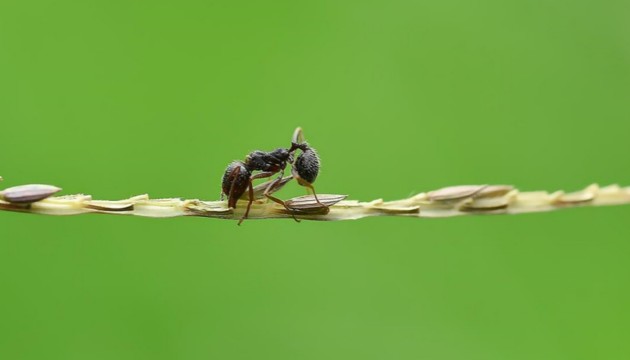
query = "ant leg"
{"x": 310, "y": 186}
{"x": 307, "y": 184}
{"x": 263, "y": 175}
{"x": 267, "y": 193}
{"x": 249, "y": 203}
{"x": 271, "y": 186}
{"x": 251, "y": 192}
{"x": 233, "y": 176}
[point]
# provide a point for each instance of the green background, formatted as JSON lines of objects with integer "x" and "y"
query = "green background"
{"x": 119, "y": 98}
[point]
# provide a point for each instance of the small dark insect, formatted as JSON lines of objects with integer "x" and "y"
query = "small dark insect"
{"x": 239, "y": 177}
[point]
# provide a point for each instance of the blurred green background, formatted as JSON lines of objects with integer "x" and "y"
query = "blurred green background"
{"x": 118, "y": 98}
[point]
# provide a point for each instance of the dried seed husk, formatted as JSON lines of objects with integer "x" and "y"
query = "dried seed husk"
{"x": 452, "y": 193}
{"x": 397, "y": 209}
{"x": 612, "y": 194}
{"x": 494, "y": 191}
{"x": 307, "y": 202}
{"x": 322, "y": 210}
{"x": 577, "y": 197}
{"x": 204, "y": 208}
{"x": 492, "y": 197}
{"x": 533, "y": 199}
{"x": 491, "y": 203}
{"x": 25, "y": 194}
{"x": 113, "y": 206}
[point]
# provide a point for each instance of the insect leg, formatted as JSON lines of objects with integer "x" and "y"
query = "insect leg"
{"x": 249, "y": 203}
{"x": 268, "y": 192}
{"x": 233, "y": 178}
{"x": 250, "y": 186}
{"x": 310, "y": 186}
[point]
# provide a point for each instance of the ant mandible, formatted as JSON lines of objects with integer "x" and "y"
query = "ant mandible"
{"x": 239, "y": 177}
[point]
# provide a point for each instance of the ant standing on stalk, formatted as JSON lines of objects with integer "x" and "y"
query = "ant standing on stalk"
{"x": 239, "y": 177}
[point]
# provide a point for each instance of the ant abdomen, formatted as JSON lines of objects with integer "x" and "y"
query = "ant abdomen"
{"x": 235, "y": 181}
{"x": 307, "y": 165}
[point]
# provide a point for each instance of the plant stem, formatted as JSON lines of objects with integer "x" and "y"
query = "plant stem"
{"x": 447, "y": 202}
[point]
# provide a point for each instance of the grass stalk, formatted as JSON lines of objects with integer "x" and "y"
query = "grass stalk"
{"x": 446, "y": 202}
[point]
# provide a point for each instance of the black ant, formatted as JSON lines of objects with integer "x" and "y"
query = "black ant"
{"x": 238, "y": 175}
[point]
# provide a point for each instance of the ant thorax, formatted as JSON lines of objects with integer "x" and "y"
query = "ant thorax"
{"x": 267, "y": 161}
